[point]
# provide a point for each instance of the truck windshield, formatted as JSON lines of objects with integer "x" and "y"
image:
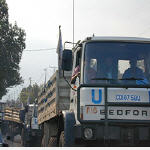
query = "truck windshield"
{"x": 117, "y": 63}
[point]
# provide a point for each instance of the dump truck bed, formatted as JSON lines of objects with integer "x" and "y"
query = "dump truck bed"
{"x": 12, "y": 114}
{"x": 54, "y": 98}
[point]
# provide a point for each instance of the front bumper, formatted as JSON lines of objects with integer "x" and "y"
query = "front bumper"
{"x": 123, "y": 135}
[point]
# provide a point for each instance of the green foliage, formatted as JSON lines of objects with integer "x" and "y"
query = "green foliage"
{"x": 12, "y": 43}
{"x": 31, "y": 93}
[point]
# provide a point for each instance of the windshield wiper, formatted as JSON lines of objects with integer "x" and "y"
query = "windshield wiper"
{"x": 102, "y": 79}
{"x": 132, "y": 79}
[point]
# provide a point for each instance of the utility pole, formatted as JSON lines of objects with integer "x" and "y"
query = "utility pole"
{"x": 30, "y": 80}
{"x": 28, "y": 100}
{"x": 45, "y": 76}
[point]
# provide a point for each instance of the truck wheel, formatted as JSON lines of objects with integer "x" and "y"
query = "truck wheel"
{"x": 67, "y": 136}
{"x": 22, "y": 143}
{"x": 52, "y": 142}
{"x": 22, "y": 135}
{"x": 62, "y": 139}
{"x": 42, "y": 143}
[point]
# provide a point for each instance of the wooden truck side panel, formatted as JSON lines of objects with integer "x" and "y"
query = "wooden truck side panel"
{"x": 12, "y": 114}
{"x": 54, "y": 98}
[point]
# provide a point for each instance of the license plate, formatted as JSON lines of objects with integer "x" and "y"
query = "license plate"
{"x": 121, "y": 113}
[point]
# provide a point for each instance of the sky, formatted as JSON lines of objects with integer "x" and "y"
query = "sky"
{"x": 41, "y": 19}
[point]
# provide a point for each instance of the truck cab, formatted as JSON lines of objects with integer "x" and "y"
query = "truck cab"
{"x": 110, "y": 96}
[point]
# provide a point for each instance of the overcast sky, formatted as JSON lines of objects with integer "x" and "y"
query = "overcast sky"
{"x": 41, "y": 18}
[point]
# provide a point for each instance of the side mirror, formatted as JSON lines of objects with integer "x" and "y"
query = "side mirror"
{"x": 67, "y": 60}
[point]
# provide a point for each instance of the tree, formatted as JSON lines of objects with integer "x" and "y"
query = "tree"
{"x": 31, "y": 93}
{"x": 12, "y": 44}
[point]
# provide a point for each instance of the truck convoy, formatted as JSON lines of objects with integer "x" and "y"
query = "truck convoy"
{"x": 107, "y": 102}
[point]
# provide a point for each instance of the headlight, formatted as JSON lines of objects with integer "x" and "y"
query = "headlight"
{"x": 88, "y": 133}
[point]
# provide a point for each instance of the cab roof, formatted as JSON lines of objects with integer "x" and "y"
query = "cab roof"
{"x": 117, "y": 38}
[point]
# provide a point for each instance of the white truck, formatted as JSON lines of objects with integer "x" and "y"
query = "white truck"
{"x": 107, "y": 102}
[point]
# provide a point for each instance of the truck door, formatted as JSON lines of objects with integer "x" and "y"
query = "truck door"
{"x": 75, "y": 80}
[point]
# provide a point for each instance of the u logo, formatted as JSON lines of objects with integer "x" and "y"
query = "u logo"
{"x": 96, "y": 101}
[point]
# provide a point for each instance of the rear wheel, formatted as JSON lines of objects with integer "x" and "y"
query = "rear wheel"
{"x": 42, "y": 143}
{"x": 62, "y": 139}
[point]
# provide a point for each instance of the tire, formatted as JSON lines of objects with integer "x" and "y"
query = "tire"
{"x": 22, "y": 143}
{"x": 52, "y": 142}
{"x": 22, "y": 138}
{"x": 67, "y": 136}
{"x": 62, "y": 139}
{"x": 42, "y": 142}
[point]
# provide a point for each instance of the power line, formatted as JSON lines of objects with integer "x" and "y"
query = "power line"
{"x": 48, "y": 49}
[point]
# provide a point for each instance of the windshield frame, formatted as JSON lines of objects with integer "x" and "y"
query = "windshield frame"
{"x": 111, "y": 41}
